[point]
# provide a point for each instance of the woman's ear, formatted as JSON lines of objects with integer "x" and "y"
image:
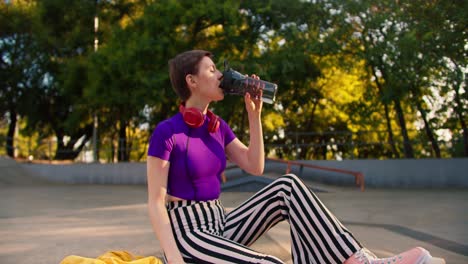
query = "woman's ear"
{"x": 190, "y": 80}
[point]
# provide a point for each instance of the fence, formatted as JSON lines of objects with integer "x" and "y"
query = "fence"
{"x": 339, "y": 145}
{"x": 47, "y": 150}
{"x": 332, "y": 145}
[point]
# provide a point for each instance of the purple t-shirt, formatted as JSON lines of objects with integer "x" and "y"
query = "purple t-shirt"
{"x": 196, "y": 157}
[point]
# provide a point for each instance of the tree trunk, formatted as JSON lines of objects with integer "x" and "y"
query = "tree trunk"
{"x": 381, "y": 92}
{"x": 10, "y": 146}
{"x": 459, "y": 111}
{"x": 391, "y": 140}
{"x": 66, "y": 152}
{"x": 323, "y": 148}
{"x": 459, "y": 105}
{"x": 96, "y": 132}
{"x": 122, "y": 150}
{"x": 427, "y": 128}
{"x": 111, "y": 157}
{"x": 408, "y": 148}
{"x": 69, "y": 151}
{"x": 305, "y": 154}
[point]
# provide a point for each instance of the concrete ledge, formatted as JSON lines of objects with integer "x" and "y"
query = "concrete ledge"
{"x": 246, "y": 184}
{"x": 12, "y": 172}
{"x": 92, "y": 173}
{"x": 410, "y": 173}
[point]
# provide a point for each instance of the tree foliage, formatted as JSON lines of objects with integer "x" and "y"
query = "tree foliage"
{"x": 357, "y": 79}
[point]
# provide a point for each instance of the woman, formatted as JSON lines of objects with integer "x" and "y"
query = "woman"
{"x": 187, "y": 155}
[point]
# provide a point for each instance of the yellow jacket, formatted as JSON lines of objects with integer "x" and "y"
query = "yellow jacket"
{"x": 112, "y": 257}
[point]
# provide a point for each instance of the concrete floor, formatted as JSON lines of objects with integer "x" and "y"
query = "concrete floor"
{"x": 45, "y": 223}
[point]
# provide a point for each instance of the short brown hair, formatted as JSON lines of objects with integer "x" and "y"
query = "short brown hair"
{"x": 185, "y": 63}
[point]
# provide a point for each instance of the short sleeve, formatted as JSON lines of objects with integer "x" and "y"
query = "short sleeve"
{"x": 162, "y": 141}
{"x": 228, "y": 134}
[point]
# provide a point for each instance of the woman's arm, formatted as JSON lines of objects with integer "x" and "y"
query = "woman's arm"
{"x": 251, "y": 158}
{"x": 157, "y": 174}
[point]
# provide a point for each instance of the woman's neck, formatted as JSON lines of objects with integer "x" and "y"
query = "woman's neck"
{"x": 202, "y": 106}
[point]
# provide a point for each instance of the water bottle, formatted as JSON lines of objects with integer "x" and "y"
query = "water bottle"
{"x": 234, "y": 82}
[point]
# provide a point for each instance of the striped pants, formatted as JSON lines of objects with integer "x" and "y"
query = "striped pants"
{"x": 205, "y": 233}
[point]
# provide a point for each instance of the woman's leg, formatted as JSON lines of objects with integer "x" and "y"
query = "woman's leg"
{"x": 317, "y": 235}
{"x": 198, "y": 229}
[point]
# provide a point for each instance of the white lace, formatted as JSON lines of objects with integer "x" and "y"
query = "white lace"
{"x": 367, "y": 257}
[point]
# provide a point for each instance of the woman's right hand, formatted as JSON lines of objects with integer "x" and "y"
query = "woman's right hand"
{"x": 253, "y": 105}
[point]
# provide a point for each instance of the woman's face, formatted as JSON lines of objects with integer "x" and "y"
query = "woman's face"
{"x": 207, "y": 80}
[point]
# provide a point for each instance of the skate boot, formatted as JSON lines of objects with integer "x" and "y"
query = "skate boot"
{"x": 416, "y": 255}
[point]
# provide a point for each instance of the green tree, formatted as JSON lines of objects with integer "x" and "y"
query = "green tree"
{"x": 284, "y": 37}
{"x": 18, "y": 62}
{"x": 441, "y": 26}
{"x": 373, "y": 29}
{"x": 129, "y": 81}
{"x": 64, "y": 34}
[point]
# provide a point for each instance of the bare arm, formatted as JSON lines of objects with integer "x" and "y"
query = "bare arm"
{"x": 251, "y": 158}
{"x": 157, "y": 174}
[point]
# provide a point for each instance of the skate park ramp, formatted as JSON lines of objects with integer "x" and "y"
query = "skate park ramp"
{"x": 89, "y": 219}
{"x": 239, "y": 181}
{"x": 12, "y": 173}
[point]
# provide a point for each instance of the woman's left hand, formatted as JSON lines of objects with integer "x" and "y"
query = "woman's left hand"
{"x": 253, "y": 105}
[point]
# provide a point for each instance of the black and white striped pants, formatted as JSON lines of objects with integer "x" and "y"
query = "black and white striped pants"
{"x": 206, "y": 234}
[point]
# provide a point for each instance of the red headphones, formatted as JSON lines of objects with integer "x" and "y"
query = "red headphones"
{"x": 194, "y": 118}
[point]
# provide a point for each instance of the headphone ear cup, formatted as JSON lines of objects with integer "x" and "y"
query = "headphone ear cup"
{"x": 192, "y": 116}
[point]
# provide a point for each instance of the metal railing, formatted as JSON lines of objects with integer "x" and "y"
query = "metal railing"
{"x": 358, "y": 176}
